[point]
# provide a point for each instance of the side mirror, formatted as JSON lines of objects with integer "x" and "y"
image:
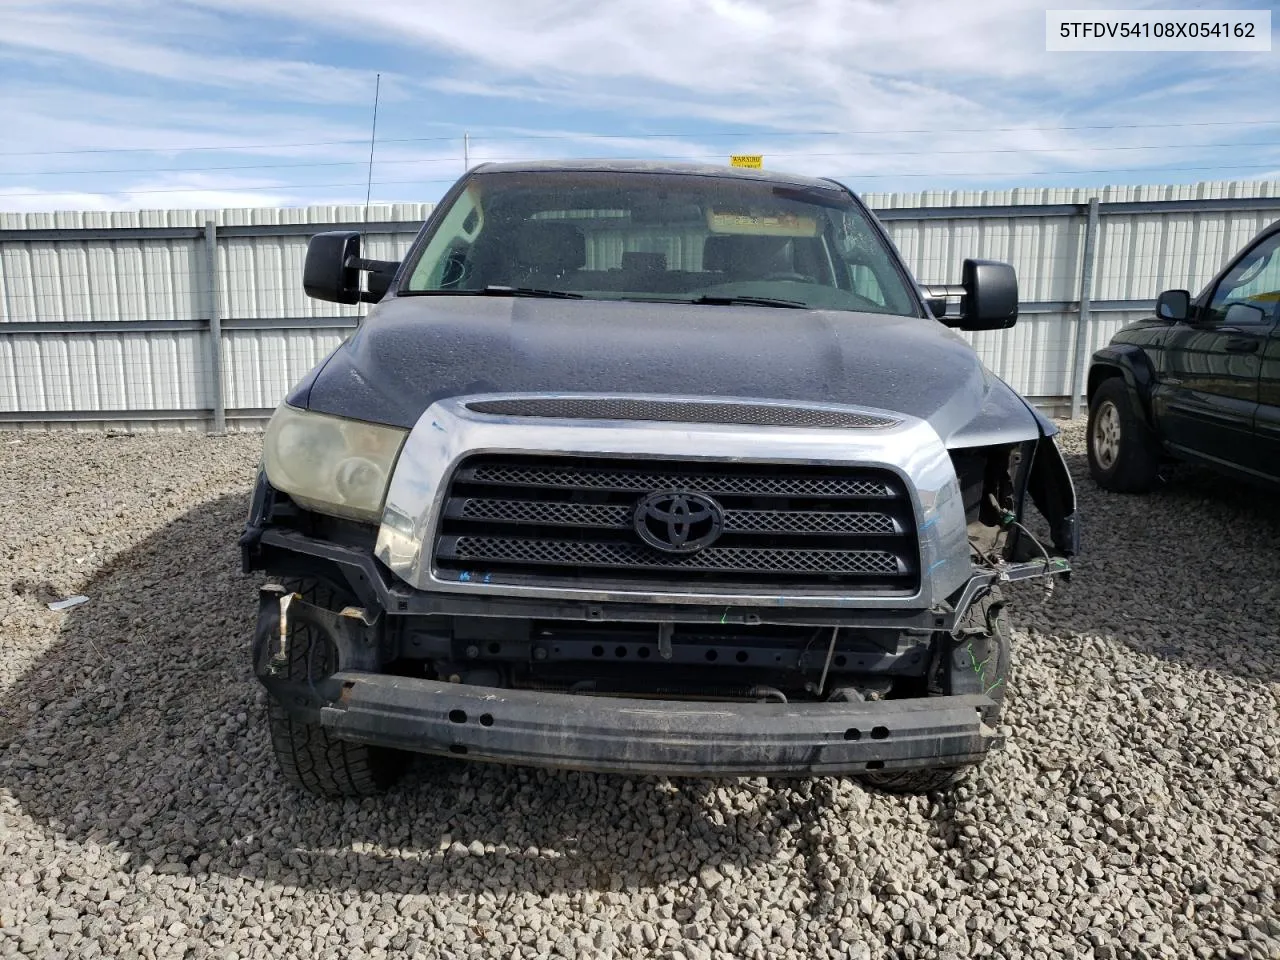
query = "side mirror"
{"x": 333, "y": 267}
{"x": 326, "y": 274}
{"x": 988, "y": 295}
{"x": 1173, "y": 305}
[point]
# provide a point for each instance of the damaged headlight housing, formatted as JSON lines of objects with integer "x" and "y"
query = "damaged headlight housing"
{"x": 330, "y": 464}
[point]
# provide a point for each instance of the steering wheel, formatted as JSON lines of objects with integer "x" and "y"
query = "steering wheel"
{"x": 790, "y": 275}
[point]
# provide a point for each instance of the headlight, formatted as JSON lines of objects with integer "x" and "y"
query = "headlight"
{"x": 329, "y": 464}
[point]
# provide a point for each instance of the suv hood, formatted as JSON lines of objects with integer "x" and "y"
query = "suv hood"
{"x": 412, "y": 351}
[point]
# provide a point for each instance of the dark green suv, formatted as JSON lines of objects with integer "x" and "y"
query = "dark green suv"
{"x": 1199, "y": 381}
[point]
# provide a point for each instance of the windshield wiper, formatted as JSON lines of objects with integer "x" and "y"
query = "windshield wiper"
{"x": 495, "y": 290}
{"x": 725, "y": 301}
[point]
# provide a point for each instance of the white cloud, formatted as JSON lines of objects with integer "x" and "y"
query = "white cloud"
{"x": 184, "y": 191}
{"x": 164, "y": 45}
{"x": 914, "y": 92}
{"x": 786, "y": 49}
{"x": 43, "y": 119}
{"x": 795, "y": 65}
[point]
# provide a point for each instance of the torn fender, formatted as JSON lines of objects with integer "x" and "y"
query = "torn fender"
{"x": 1054, "y": 495}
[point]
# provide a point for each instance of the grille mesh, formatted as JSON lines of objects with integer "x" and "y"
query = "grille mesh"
{"x": 548, "y": 512}
{"x": 679, "y": 411}
{"x": 619, "y": 517}
{"x": 809, "y": 521}
{"x": 755, "y": 559}
{"x": 776, "y": 485}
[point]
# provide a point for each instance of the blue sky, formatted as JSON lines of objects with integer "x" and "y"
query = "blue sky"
{"x": 111, "y": 104}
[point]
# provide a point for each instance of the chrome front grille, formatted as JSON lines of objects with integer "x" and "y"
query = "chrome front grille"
{"x": 572, "y": 521}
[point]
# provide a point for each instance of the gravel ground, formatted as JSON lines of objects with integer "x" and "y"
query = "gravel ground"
{"x": 1135, "y": 811}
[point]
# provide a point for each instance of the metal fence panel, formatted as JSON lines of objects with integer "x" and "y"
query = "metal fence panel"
{"x": 261, "y": 365}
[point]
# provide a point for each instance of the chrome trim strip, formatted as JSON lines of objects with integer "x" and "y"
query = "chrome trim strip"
{"x": 629, "y": 409}
{"x": 448, "y": 431}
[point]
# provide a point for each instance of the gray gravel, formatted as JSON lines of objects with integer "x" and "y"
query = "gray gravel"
{"x": 1135, "y": 811}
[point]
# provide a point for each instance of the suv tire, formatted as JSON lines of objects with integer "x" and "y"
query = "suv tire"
{"x": 1124, "y": 455}
{"x": 309, "y": 757}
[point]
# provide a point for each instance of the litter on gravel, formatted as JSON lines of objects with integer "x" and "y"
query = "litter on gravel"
{"x": 1134, "y": 810}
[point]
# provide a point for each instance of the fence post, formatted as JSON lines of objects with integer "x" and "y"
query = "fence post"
{"x": 215, "y": 328}
{"x": 1080, "y": 367}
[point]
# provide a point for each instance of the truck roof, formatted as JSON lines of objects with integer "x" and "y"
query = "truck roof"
{"x": 658, "y": 167}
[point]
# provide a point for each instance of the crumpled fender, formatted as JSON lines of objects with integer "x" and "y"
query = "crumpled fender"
{"x": 1054, "y": 495}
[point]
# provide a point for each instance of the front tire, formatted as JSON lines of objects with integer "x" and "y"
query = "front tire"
{"x": 309, "y": 757}
{"x": 1124, "y": 455}
{"x": 976, "y": 658}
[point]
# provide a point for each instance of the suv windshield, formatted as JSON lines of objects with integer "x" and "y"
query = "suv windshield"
{"x": 665, "y": 237}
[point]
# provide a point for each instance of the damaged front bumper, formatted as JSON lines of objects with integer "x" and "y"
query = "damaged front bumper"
{"x": 633, "y": 736}
{"x": 602, "y": 733}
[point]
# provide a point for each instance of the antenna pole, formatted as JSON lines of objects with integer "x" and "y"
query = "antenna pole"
{"x": 373, "y": 138}
{"x": 466, "y": 152}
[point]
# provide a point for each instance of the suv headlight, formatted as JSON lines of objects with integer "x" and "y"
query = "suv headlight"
{"x": 330, "y": 464}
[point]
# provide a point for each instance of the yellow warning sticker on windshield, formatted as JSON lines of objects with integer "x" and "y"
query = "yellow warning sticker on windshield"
{"x": 753, "y": 161}
{"x": 762, "y": 224}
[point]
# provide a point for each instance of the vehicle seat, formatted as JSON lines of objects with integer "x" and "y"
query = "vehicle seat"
{"x": 635, "y": 261}
{"x": 546, "y": 252}
{"x": 741, "y": 257}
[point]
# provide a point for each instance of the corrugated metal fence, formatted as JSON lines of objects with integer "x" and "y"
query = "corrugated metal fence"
{"x": 196, "y": 318}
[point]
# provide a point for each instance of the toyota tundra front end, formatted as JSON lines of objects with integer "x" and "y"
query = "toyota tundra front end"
{"x": 648, "y": 469}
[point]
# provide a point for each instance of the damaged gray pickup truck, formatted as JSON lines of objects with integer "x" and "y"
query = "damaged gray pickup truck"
{"x": 648, "y": 469}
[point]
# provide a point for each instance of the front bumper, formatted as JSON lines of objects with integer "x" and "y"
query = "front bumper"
{"x": 602, "y": 733}
{"x": 676, "y": 738}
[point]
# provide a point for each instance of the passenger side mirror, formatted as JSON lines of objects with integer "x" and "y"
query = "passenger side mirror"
{"x": 988, "y": 295}
{"x": 333, "y": 267}
{"x": 1173, "y": 305}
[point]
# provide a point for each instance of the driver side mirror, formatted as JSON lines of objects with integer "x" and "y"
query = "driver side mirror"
{"x": 1173, "y": 305}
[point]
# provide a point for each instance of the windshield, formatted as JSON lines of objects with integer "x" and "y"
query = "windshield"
{"x": 667, "y": 237}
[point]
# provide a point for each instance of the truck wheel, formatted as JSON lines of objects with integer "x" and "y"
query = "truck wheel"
{"x": 309, "y": 757}
{"x": 976, "y": 658}
{"x": 1124, "y": 455}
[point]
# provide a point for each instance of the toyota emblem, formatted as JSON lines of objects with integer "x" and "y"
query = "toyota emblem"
{"x": 677, "y": 522}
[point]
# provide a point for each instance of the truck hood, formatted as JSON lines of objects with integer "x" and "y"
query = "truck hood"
{"x": 412, "y": 351}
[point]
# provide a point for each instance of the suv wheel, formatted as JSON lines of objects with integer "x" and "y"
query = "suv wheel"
{"x": 1124, "y": 455}
{"x": 309, "y": 757}
{"x": 976, "y": 658}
